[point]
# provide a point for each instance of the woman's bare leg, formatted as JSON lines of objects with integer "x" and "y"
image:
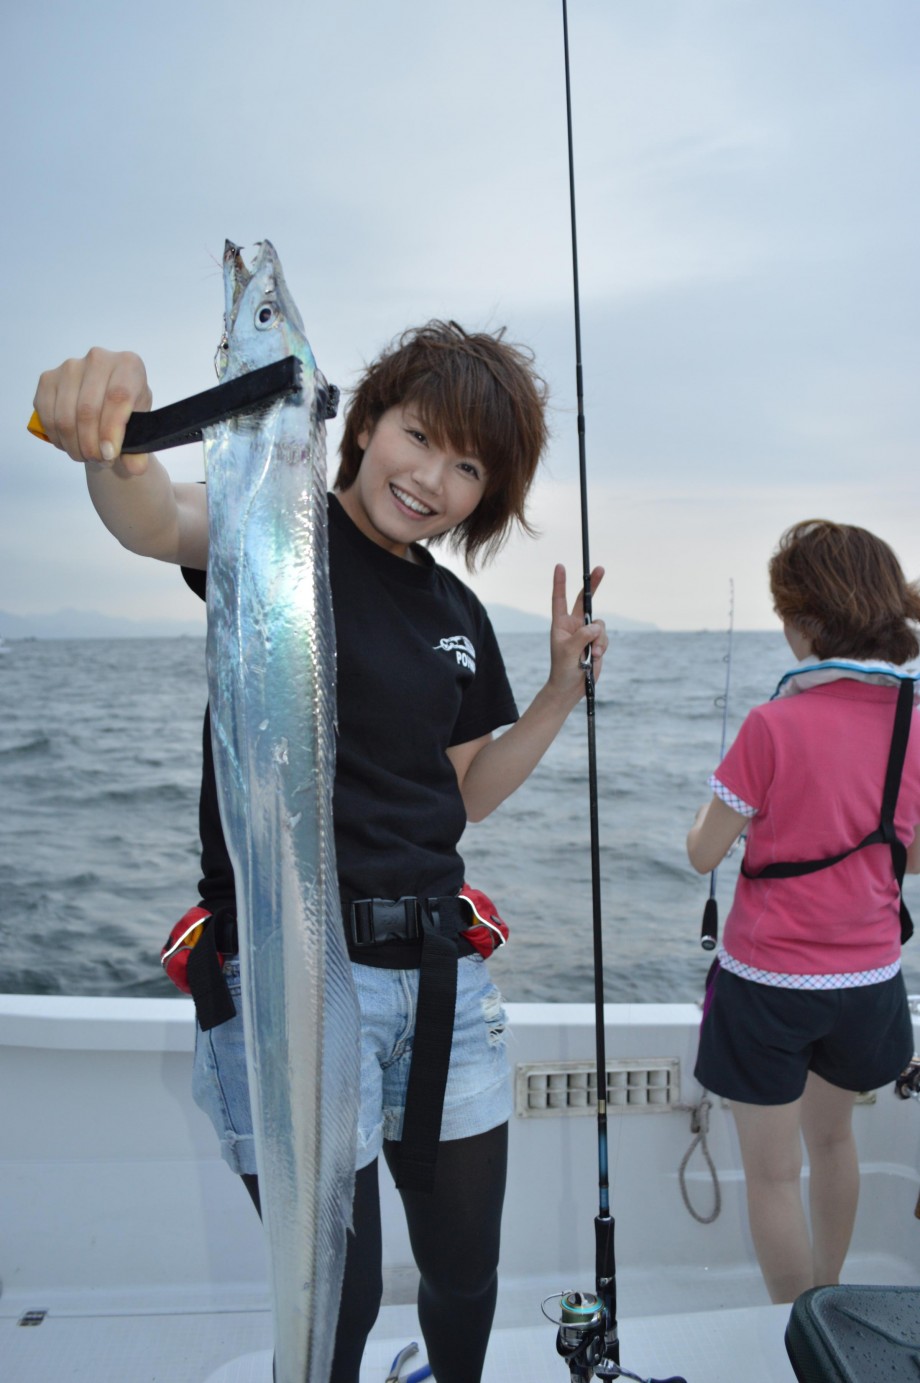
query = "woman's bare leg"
{"x": 771, "y": 1150}
{"x": 827, "y": 1126}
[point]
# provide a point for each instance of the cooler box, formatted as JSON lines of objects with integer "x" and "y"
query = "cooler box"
{"x": 855, "y": 1335}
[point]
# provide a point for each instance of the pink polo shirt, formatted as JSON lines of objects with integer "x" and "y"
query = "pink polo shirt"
{"x": 812, "y": 766}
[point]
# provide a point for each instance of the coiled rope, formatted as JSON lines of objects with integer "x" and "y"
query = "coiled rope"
{"x": 699, "y": 1125}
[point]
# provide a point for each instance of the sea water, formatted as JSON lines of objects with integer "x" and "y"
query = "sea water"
{"x": 100, "y": 757}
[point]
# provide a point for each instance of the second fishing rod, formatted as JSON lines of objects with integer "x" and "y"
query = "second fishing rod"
{"x": 709, "y": 930}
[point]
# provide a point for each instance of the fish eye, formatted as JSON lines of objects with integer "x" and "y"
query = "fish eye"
{"x": 265, "y": 316}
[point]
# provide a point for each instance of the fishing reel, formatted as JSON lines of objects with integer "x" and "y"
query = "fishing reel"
{"x": 907, "y": 1084}
{"x": 581, "y": 1338}
{"x": 587, "y": 1340}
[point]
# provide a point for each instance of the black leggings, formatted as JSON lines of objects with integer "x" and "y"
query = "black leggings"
{"x": 455, "y": 1232}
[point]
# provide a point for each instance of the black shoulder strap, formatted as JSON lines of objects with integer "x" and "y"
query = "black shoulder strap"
{"x": 434, "y": 1028}
{"x": 213, "y": 1002}
{"x": 884, "y": 833}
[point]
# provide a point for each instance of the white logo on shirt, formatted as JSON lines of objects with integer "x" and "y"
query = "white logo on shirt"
{"x": 459, "y": 645}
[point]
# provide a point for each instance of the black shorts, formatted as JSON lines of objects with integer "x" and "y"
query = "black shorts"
{"x": 758, "y": 1042}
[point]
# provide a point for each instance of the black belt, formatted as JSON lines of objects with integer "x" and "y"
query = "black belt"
{"x": 431, "y": 927}
{"x": 376, "y": 921}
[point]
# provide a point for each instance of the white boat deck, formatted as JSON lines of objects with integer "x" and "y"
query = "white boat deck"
{"x": 120, "y": 1223}
{"x": 718, "y": 1338}
{"x": 744, "y": 1345}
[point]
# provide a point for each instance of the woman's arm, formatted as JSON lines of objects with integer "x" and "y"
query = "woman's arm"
{"x": 149, "y": 514}
{"x": 84, "y": 406}
{"x": 489, "y": 770}
{"x": 713, "y": 833}
{"x": 913, "y": 854}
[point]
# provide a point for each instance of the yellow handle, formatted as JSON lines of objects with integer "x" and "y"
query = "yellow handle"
{"x": 36, "y": 429}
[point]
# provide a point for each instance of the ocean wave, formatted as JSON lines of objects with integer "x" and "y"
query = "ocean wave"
{"x": 31, "y": 748}
{"x": 166, "y": 794}
{"x": 98, "y": 836}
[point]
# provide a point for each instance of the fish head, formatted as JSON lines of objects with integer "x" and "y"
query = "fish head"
{"x": 261, "y": 320}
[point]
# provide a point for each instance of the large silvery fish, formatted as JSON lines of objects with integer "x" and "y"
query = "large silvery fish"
{"x": 271, "y": 677}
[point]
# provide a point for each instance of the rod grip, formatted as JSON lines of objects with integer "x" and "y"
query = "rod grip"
{"x": 604, "y": 1253}
{"x": 709, "y": 931}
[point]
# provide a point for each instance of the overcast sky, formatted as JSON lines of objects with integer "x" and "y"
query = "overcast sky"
{"x": 748, "y": 239}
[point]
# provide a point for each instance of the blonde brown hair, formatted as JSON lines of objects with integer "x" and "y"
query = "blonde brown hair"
{"x": 476, "y": 393}
{"x": 844, "y": 590}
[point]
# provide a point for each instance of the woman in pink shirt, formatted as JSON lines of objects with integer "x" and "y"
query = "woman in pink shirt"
{"x": 806, "y": 1004}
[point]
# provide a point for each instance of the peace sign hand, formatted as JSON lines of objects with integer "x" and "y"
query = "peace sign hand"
{"x": 570, "y": 638}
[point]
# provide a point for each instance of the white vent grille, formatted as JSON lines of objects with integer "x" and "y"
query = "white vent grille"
{"x": 635, "y": 1085}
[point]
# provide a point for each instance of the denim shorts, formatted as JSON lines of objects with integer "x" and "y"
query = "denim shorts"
{"x": 478, "y": 1094}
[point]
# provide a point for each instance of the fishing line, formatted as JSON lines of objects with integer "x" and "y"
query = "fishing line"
{"x": 587, "y": 1338}
{"x": 709, "y": 930}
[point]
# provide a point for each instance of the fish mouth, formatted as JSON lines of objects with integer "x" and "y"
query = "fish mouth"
{"x": 235, "y": 265}
{"x": 237, "y": 277}
{"x": 424, "y": 511}
{"x": 266, "y": 271}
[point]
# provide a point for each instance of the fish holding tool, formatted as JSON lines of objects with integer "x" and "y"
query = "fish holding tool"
{"x": 180, "y": 423}
{"x": 587, "y": 1337}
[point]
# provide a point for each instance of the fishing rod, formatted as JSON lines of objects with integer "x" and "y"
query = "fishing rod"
{"x": 588, "y": 1337}
{"x": 709, "y": 930}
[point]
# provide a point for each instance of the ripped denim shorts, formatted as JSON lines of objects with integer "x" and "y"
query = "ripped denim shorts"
{"x": 478, "y": 1095}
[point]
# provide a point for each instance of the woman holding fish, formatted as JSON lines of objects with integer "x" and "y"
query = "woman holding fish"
{"x": 442, "y": 440}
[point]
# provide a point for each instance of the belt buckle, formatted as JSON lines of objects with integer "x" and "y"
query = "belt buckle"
{"x": 396, "y": 920}
{"x": 378, "y": 920}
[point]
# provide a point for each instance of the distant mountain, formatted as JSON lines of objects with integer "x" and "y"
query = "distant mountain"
{"x": 625, "y": 625}
{"x": 506, "y": 620}
{"x": 90, "y": 624}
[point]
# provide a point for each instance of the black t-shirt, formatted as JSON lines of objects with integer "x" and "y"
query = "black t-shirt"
{"x": 418, "y": 669}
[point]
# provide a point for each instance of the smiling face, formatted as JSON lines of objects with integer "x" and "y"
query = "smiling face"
{"x": 408, "y": 488}
{"x": 486, "y": 403}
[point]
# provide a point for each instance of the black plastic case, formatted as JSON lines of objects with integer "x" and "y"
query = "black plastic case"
{"x": 855, "y": 1335}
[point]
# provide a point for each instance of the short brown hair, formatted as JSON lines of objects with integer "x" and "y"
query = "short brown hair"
{"x": 844, "y": 590}
{"x": 476, "y": 393}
